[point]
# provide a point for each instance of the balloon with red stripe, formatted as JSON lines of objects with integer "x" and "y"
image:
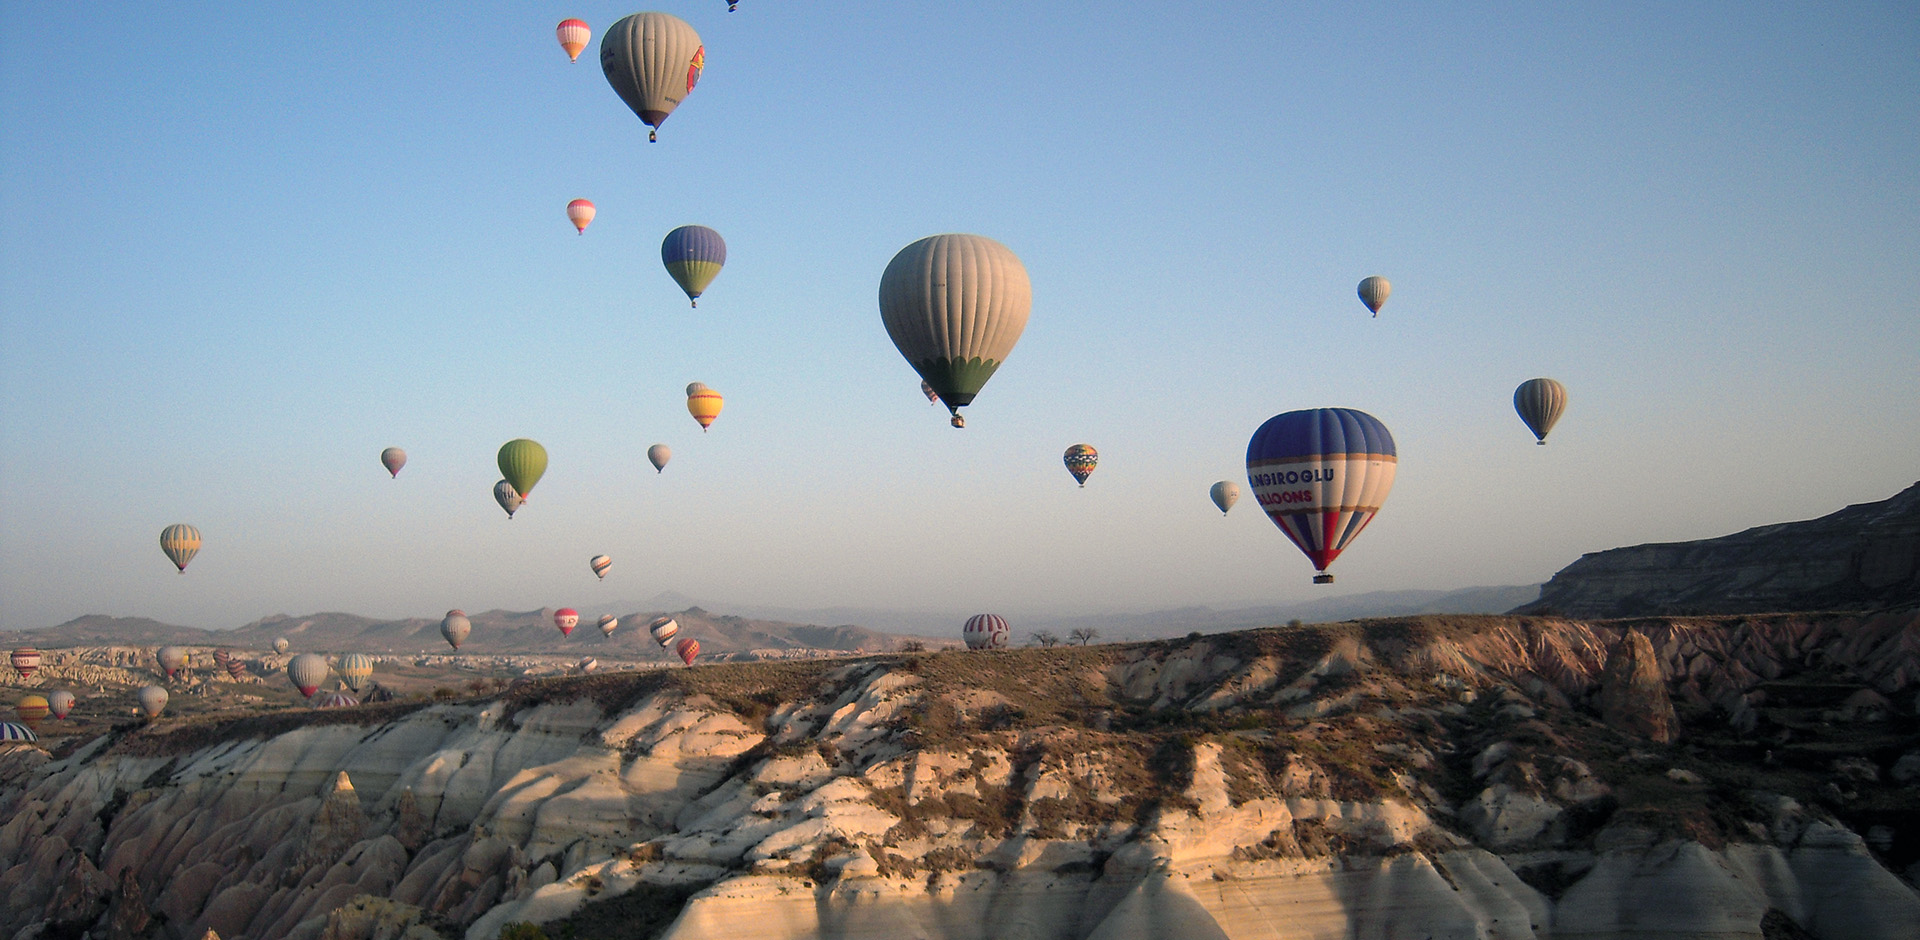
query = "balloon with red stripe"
{"x": 580, "y": 213}
{"x": 1321, "y": 475}
{"x": 574, "y": 36}
{"x": 987, "y": 632}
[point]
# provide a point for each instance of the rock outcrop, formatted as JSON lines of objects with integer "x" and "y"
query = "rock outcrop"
{"x": 1435, "y": 776}
{"x": 1864, "y": 557}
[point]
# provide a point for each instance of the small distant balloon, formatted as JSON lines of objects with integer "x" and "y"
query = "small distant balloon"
{"x": 933, "y": 397}
{"x": 1224, "y": 494}
{"x": 335, "y": 699}
{"x": 608, "y": 623}
{"x": 181, "y": 542}
{"x": 986, "y": 632}
{"x": 659, "y": 454}
{"x": 152, "y": 699}
{"x": 356, "y": 670}
{"x": 1080, "y": 460}
{"x": 663, "y": 629}
{"x": 574, "y": 36}
{"x": 393, "y": 458}
{"x": 172, "y": 659}
{"x": 25, "y": 661}
{"x": 704, "y": 404}
{"x": 60, "y": 703}
{"x": 652, "y": 60}
{"x": 565, "y": 619}
{"x": 1374, "y": 292}
{"x": 687, "y": 648}
{"x": 522, "y": 462}
{"x": 306, "y": 671}
{"x": 32, "y": 709}
{"x": 454, "y": 627}
{"x": 600, "y": 564}
{"x": 580, "y": 213}
{"x": 1540, "y": 402}
{"x": 280, "y": 645}
{"x": 694, "y": 255}
{"x": 508, "y": 499}
{"x": 586, "y": 665}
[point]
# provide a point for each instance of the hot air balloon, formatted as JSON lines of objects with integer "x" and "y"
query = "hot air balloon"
{"x": 732, "y": 5}
{"x": 25, "y": 661}
{"x": 954, "y": 306}
{"x": 608, "y": 623}
{"x": 586, "y": 665}
{"x": 566, "y": 618}
{"x": 574, "y": 36}
{"x": 222, "y": 656}
{"x": 14, "y": 733}
{"x": 652, "y": 60}
{"x": 1080, "y": 460}
{"x": 1321, "y": 474}
{"x": 31, "y": 709}
{"x": 933, "y": 397}
{"x": 659, "y": 454}
{"x": 1373, "y": 293}
{"x": 986, "y": 632}
{"x": 356, "y": 670}
{"x": 172, "y": 659}
{"x": 152, "y": 699}
{"x": 224, "y": 659}
{"x": 704, "y": 404}
{"x": 1224, "y": 494}
{"x": 508, "y": 499}
{"x": 522, "y": 462}
{"x": 332, "y": 700}
{"x": 307, "y": 671}
{"x": 663, "y": 629}
{"x": 687, "y": 649}
{"x": 181, "y": 542}
{"x": 580, "y": 213}
{"x": 693, "y": 255}
{"x": 1540, "y": 402}
{"x": 280, "y": 645}
{"x": 455, "y": 626}
{"x": 60, "y": 703}
{"x": 393, "y": 458}
{"x": 600, "y": 564}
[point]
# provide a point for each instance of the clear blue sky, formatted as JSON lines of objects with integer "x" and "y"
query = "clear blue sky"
{"x": 244, "y": 249}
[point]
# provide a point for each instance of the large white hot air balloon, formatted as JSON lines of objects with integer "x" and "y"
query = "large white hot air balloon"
{"x": 455, "y": 626}
{"x": 954, "y": 305}
{"x": 652, "y": 60}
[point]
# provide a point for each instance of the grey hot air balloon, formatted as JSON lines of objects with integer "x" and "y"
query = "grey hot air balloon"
{"x": 306, "y": 671}
{"x": 954, "y": 306}
{"x": 280, "y": 645}
{"x": 1374, "y": 292}
{"x": 172, "y": 660}
{"x": 652, "y": 60}
{"x": 1224, "y": 494}
{"x": 356, "y": 670}
{"x": 658, "y": 455}
{"x": 393, "y": 458}
{"x": 503, "y": 493}
{"x": 455, "y": 626}
{"x": 152, "y": 699}
{"x": 1540, "y": 402}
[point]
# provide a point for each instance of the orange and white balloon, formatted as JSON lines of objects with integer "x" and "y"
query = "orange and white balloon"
{"x": 580, "y": 213}
{"x": 574, "y": 36}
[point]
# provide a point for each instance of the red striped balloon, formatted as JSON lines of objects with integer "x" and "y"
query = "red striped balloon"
{"x": 688, "y": 649}
{"x": 574, "y": 36}
{"x": 26, "y": 661}
{"x": 987, "y": 632}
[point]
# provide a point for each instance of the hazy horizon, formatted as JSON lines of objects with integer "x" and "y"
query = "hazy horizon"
{"x": 242, "y": 250}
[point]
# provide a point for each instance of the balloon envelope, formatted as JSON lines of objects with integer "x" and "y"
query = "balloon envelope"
{"x": 280, "y": 645}
{"x": 1373, "y": 293}
{"x": 652, "y": 60}
{"x": 522, "y": 462}
{"x": 152, "y": 699}
{"x": 1080, "y": 460}
{"x": 659, "y": 454}
{"x": 172, "y": 659}
{"x": 16, "y": 733}
{"x": 1224, "y": 494}
{"x": 704, "y": 404}
{"x": 954, "y": 305}
{"x": 332, "y": 700}
{"x": 393, "y": 458}
{"x": 587, "y": 665}
{"x": 663, "y": 629}
{"x": 986, "y": 632}
{"x": 60, "y": 703}
{"x": 565, "y": 619}
{"x": 454, "y": 627}
{"x": 307, "y": 671}
{"x": 687, "y": 649}
{"x": 599, "y": 564}
{"x": 1321, "y": 475}
{"x": 32, "y": 709}
{"x": 508, "y": 499}
{"x": 608, "y": 623}
{"x": 580, "y": 213}
{"x": 356, "y": 670}
{"x": 25, "y": 661}
{"x": 933, "y": 397}
{"x": 1540, "y": 402}
{"x": 694, "y": 255}
{"x": 574, "y": 36}
{"x": 181, "y": 542}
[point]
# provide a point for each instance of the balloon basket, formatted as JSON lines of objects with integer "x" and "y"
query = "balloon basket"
{"x": 1323, "y": 579}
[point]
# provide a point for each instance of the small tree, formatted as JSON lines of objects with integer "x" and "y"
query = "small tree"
{"x": 1043, "y": 638}
{"x": 1081, "y": 636}
{"x": 913, "y": 646}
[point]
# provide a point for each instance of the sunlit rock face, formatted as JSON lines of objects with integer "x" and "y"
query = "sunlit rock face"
{"x": 1864, "y": 557}
{"x": 1498, "y": 777}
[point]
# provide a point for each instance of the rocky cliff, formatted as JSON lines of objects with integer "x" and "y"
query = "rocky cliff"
{"x": 1864, "y": 557}
{"x": 1471, "y": 777}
